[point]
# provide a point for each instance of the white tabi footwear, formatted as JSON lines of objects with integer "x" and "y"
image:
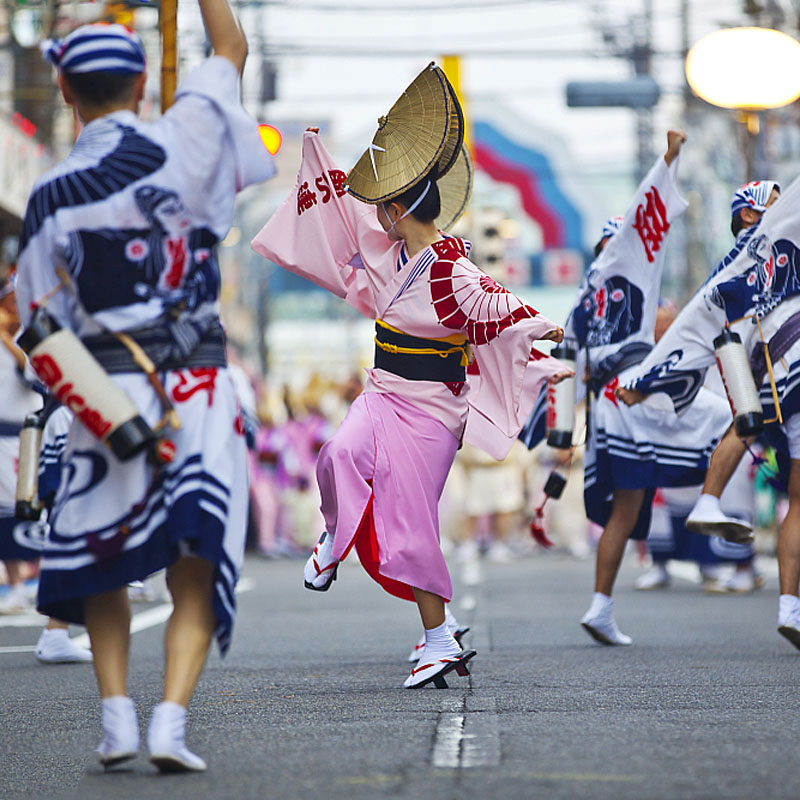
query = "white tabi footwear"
{"x": 789, "y": 618}
{"x": 791, "y": 630}
{"x": 433, "y": 671}
{"x": 165, "y": 740}
{"x": 458, "y": 634}
{"x": 321, "y": 568}
{"x": 16, "y": 601}
{"x": 708, "y": 518}
{"x": 55, "y": 647}
{"x": 120, "y": 731}
{"x": 599, "y": 622}
{"x": 655, "y": 578}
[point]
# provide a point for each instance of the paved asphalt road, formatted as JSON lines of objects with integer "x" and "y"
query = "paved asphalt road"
{"x": 310, "y": 704}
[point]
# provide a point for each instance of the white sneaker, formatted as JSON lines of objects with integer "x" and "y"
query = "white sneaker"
{"x": 16, "y": 601}
{"x": 55, "y": 647}
{"x": 655, "y": 578}
{"x": 708, "y": 518}
{"x": 599, "y": 622}
{"x": 320, "y": 570}
{"x": 165, "y": 740}
{"x": 120, "y": 731}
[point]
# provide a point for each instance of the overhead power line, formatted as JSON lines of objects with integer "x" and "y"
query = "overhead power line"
{"x": 372, "y": 8}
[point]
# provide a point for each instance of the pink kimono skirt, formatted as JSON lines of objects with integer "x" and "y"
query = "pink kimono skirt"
{"x": 381, "y": 476}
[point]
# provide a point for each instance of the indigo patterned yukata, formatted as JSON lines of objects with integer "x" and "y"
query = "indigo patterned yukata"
{"x": 758, "y": 280}
{"x": 612, "y": 324}
{"x": 133, "y": 215}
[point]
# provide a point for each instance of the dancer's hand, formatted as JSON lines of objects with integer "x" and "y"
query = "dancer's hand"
{"x": 560, "y": 376}
{"x": 675, "y": 140}
{"x": 312, "y": 130}
{"x": 556, "y": 335}
{"x": 629, "y": 396}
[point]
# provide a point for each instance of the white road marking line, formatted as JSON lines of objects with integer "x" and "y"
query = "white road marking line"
{"x": 30, "y": 619}
{"x": 468, "y": 739}
{"x": 139, "y": 622}
{"x": 447, "y": 744}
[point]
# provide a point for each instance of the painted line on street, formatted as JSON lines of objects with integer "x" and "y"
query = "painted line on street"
{"x": 148, "y": 618}
{"x": 469, "y": 739}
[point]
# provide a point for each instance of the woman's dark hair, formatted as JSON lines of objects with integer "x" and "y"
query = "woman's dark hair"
{"x": 100, "y": 88}
{"x": 430, "y": 207}
{"x": 598, "y": 248}
{"x": 737, "y": 223}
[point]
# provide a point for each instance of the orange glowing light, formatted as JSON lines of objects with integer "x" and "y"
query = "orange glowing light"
{"x": 271, "y": 137}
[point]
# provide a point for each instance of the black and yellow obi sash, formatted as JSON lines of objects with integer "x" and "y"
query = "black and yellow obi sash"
{"x": 417, "y": 359}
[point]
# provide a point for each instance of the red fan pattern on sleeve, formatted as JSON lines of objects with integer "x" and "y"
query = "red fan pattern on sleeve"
{"x": 465, "y": 298}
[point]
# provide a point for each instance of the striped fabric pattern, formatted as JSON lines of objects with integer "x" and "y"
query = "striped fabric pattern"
{"x": 99, "y": 47}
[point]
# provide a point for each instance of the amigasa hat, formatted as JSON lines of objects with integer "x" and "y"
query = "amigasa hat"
{"x": 422, "y": 133}
{"x": 455, "y": 190}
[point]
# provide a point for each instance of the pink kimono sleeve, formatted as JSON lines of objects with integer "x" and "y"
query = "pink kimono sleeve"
{"x": 316, "y": 231}
{"x": 508, "y": 373}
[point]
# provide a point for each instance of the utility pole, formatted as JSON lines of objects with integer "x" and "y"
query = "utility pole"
{"x": 641, "y": 56}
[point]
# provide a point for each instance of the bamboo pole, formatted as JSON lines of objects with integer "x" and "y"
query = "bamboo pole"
{"x": 168, "y": 22}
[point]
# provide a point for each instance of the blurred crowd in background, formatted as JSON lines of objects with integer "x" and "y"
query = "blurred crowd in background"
{"x": 487, "y": 506}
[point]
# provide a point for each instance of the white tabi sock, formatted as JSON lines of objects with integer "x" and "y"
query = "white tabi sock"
{"x": 600, "y": 621}
{"x": 602, "y": 606}
{"x": 449, "y": 619}
{"x": 706, "y": 505}
{"x": 120, "y": 728}
{"x": 788, "y": 610}
{"x": 439, "y": 643}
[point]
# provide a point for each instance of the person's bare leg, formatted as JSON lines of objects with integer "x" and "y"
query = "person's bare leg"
{"x": 626, "y": 505}
{"x": 190, "y": 628}
{"x": 431, "y": 608}
{"x": 789, "y": 562}
{"x": 724, "y": 460}
{"x": 438, "y": 656}
{"x": 108, "y": 622}
{"x": 707, "y": 517}
{"x": 186, "y": 644}
{"x": 599, "y": 621}
{"x": 789, "y": 537}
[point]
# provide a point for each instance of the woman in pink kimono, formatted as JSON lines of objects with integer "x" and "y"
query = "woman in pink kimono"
{"x": 438, "y": 317}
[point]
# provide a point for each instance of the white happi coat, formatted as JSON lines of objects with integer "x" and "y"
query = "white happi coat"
{"x": 133, "y": 215}
{"x": 613, "y": 317}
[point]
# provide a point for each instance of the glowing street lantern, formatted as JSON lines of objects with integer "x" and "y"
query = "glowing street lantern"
{"x": 746, "y": 68}
{"x": 271, "y": 137}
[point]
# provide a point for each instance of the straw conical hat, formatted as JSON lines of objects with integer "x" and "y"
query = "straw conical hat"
{"x": 423, "y": 130}
{"x": 455, "y": 190}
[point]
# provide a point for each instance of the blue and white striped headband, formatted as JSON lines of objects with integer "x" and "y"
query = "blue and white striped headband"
{"x": 753, "y": 195}
{"x": 99, "y": 47}
{"x": 611, "y": 227}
